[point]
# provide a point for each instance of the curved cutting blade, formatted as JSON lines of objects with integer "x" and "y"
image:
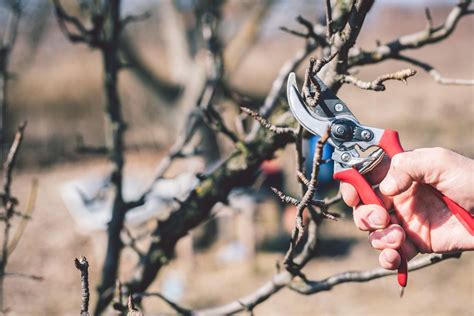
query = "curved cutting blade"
{"x": 317, "y": 119}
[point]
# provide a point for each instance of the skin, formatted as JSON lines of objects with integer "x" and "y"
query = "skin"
{"x": 420, "y": 223}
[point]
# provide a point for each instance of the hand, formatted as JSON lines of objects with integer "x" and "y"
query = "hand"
{"x": 421, "y": 222}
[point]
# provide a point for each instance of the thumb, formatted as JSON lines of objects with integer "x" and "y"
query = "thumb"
{"x": 417, "y": 165}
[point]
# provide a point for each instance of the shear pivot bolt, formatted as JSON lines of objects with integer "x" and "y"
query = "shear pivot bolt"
{"x": 366, "y": 134}
{"x": 345, "y": 157}
{"x": 338, "y": 107}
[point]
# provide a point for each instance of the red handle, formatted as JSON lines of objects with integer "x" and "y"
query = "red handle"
{"x": 368, "y": 196}
{"x": 390, "y": 143}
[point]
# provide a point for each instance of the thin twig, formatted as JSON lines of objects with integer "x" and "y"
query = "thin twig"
{"x": 266, "y": 124}
{"x": 429, "y": 21}
{"x": 285, "y": 198}
{"x": 132, "y": 309}
{"x": 64, "y": 19}
{"x": 135, "y": 18}
{"x": 302, "y": 178}
{"x": 83, "y": 266}
{"x": 435, "y": 74}
{"x": 11, "y": 159}
{"x": 132, "y": 242}
{"x": 298, "y": 230}
{"x": 289, "y": 66}
{"x": 24, "y": 217}
{"x": 292, "y": 200}
{"x": 7, "y": 44}
{"x": 378, "y": 83}
{"x": 180, "y": 310}
{"x": 328, "y": 19}
{"x": 9, "y": 204}
{"x": 25, "y": 276}
{"x": 313, "y": 32}
{"x": 311, "y": 89}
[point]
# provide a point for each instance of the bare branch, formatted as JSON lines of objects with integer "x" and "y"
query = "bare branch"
{"x": 24, "y": 275}
{"x": 215, "y": 121}
{"x": 83, "y": 266}
{"x": 302, "y": 178}
{"x": 345, "y": 39}
{"x": 377, "y": 84}
{"x": 24, "y": 217}
{"x": 132, "y": 242}
{"x": 11, "y": 160}
{"x": 291, "y": 200}
{"x": 298, "y": 230}
{"x": 9, "y": 203}
{"x": 328, "y": 19}
{"x": 80, "y": 31}
{"x": 280, "y": 81}
{"x": 135, "y": 18}
{"x": 429, "y": 21}
{"x": 313, "y": 287}
{"x": 311, "y": 89}
{"x": 132, "y": 310}
{"x": 282, "y": 279}
{"x": 313, "y": 32}
{"x": 266, "y": 124}
{"x": 239, "y": 169}
{"x": 412, "y": 41}
{"x": 285, "y": 198}
{"x": 435, "y": 74}
{"x": 173, "y": 305}
{"x": 293, "y": 32}
{"x": 7, "y": 43}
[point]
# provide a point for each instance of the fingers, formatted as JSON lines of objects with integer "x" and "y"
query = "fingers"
{"x": 371, "y": 217}
{"x": 349, "y": 194}
{"x": 422, "y": 165}
{"x": 391, "y": 237}
{"x": 389, "y": 259}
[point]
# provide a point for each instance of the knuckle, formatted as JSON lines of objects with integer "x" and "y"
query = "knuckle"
{"x": 398, "y": 160}
{"x": 441, "y": 153}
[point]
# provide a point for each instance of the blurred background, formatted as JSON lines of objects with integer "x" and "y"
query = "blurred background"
{"x": 57, "y": 87}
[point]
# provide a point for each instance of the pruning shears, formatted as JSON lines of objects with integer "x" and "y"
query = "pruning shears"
{"x": 358, "y": 149}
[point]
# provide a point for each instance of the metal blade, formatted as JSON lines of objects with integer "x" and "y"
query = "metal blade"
{"x": 301, "y": 112}
{"x": 330, "y": 105}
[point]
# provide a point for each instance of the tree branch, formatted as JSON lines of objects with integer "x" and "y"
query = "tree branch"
{"x": 424, "y": 37}
{"x": 80, "y": 32}
{"x": 284, "y": 278}
{"x": 328, "y": 19}
{"x": 377, "y": 84}
{"x": 180, "y": 310}
{"x": 298, "y": 230}
{"x": 83, "y": 266}
{"x": 266, "y": 124}
{"x": 312, "y": 287}
{"x": 435, "y": 74}
{"x": 277, "y": 282}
